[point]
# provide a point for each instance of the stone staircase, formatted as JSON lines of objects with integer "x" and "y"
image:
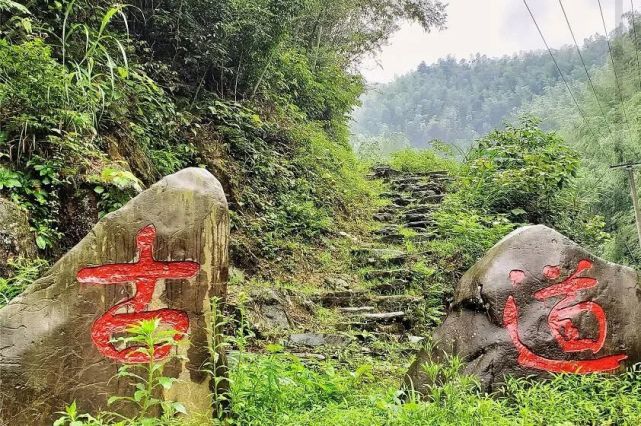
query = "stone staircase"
{"x": 387, "y": 303}
{"x": 380, "y": 305}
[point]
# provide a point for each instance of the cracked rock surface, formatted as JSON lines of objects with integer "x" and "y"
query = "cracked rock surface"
{"x": 537, "y": 303}
{"x": 47, "y": 356}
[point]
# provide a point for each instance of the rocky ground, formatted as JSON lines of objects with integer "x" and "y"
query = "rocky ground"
{"x": 376, "y": 305}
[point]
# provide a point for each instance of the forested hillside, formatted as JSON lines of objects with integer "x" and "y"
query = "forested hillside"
{"x": 457, "y": 101}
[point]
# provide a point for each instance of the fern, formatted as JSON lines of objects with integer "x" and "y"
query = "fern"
{"x": 9, "y": 5}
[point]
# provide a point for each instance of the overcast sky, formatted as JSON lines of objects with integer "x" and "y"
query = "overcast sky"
{"x": 491, "y": 27}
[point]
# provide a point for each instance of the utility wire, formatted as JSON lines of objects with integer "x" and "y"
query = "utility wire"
{"x": 614, "y": 69}
{"x": 578, "y": 50}
{"x": 547, "y": 46}
{"x": 636, "y": 39}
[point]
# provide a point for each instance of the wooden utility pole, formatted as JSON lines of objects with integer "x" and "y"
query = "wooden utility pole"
{"x": 633, "y": 192}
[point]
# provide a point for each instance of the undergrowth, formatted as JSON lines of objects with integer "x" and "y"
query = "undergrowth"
{"x": 277, "y": 388}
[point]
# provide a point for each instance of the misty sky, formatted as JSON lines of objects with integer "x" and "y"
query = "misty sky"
{"x": 491, "y": 27}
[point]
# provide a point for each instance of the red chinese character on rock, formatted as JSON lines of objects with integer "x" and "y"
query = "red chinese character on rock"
{"x": 144, "y": 274}
{"x": 561, "y": 325}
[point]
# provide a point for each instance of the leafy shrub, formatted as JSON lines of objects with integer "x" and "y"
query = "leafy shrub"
{"x": 418, "y": 161}
{"x": 520, "y": 171}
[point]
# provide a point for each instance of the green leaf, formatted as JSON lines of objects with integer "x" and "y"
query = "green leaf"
{"x": 165, "y": 382}
{"x": 139, "y": 395}
{"x": 179, "y": 408}
{"x": 41, "y": 242}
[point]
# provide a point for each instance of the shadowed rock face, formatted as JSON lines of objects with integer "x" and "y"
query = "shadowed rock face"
{"x": 16, "y": 237}
{"x": 535, "y": 304}
{"x": 54, "y": 346}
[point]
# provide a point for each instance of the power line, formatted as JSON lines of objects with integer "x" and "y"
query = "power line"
{"x": 636, "y": 39}
{"x": 614, "y": 70}
{"x": 547, "y": 46}
{"x": 578, "y": 50}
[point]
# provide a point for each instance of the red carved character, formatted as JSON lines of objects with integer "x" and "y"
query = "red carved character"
{"x": 144, "y": 273}
{"x": 561, "y": 325}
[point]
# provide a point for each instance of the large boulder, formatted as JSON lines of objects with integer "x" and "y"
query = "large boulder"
{"x": 536, "y": 304}
{"x": 16, "y": 237}
{"x": 163, "y": 255}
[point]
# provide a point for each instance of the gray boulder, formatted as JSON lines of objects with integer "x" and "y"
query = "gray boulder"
{"x": 536, "y": 304}
{"x": 163, "y": 255}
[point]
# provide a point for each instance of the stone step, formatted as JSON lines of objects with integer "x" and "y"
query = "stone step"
{"x": 424, "y": 237}
{"x": 432, "y": 199}
{"x": 384, "y": 171}
{"x": 422, "y": 194}
{"x": 343, "y": 298}
{"x": 391, "y": 287}
{"x": 388, "y": 274}
{"x": 417, "y": 217}
{"x": 423, "y": 224}
{"x": 399, "y": 302}
{"x": 391, "y": 238}
{"x": 356, "y": 309}
{"x": 384, "y": 316}
{"x": 390, "y": 209}
{"x": 403, "y": 201}
{"x": 424, "y": 209}
{"x": 384, "y": 217}
{"x": 407, "y": 180}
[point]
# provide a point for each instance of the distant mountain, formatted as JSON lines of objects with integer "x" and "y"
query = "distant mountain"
{"x": 457, "y": 101}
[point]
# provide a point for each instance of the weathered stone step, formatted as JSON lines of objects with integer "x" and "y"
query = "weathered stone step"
{"x": 399, "y": 302}
{"x": 391, "y": 287}
{"x": 384, "y": 217}
{"x": 343, "y": 298}
{"x": 406, "y": 180}
{"x": 422, "y": 224}
{"x": 356, "y": 309}
{"x": 423, "y": 237}
{"x": 384, "y": 316}
{"x": 400, "y": 200}
{"x": 388, "y": 274}
{"x": 417, "y": 217}
{"x": 391, "y": 239}
{"x": 391, "y": 209}
{"x": 432, "y": 199}
{"x": 383, "y": 171}
{"x": 424, "y": 209}
{"x": 423, "y": 193}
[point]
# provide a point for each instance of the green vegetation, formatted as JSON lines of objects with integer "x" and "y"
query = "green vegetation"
{"x": 24, "y": 272}
{"x": 610, "y": 136}
{"x": 279, "y": 389}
